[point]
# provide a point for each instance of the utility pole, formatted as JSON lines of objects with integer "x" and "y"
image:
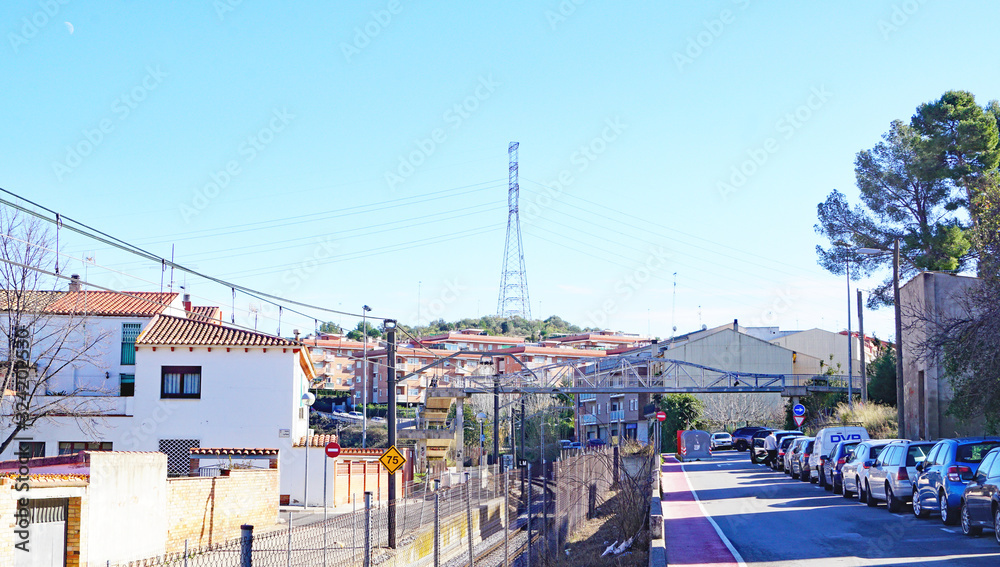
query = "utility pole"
{"x": 364, "y": 381}
{"x": 900, "y": 410}
{"x": 390, "y": 369}
{"x": 864, "y": 350}
{"x": 496, "y": 415}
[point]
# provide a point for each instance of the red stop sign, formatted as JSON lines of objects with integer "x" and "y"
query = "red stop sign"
{"x": 332, "y": 449}
{"x": 661, "y": 416}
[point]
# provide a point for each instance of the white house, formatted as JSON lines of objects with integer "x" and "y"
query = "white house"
{"x": 171, "y": 376}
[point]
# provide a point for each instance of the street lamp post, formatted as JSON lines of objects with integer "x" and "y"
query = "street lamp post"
{"x": 850, "y": 354}
{"x": 900, "y": 410}
{"x": 364, "y": 381}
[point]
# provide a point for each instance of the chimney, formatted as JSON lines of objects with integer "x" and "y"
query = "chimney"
{"x": 187, "y": 303}
{"x": 736, "y": 325}
{"x": 296, "y": 333}
{"x": 74, "y": 283}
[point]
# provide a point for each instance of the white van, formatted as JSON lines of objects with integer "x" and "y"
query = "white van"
{"x": 826, "y": 440}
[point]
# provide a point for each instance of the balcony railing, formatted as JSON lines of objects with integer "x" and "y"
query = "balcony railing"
{"x": 617, "y": 415}
{"x": 588, "y": 419}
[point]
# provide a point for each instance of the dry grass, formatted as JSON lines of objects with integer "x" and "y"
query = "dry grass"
{"x": 878, "y": 419}
{"x": 588, "y": 543}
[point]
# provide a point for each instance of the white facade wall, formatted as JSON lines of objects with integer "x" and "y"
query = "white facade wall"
{"x": 127, "y": 507}
{"x": 821, "y": 344}
{"x": 246, "y": 399}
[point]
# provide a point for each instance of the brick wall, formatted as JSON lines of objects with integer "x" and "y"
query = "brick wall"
{"x": 210, "y": 510}
{"x": 8, "y": 506}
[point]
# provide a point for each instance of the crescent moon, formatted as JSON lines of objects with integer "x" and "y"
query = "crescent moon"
{"x": 69, "y": 26}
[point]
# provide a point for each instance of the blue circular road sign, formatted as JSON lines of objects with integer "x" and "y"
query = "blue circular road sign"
{"x": 799, "y": 410}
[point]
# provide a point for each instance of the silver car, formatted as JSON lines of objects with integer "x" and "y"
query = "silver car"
{"x": 720, "y": 440}
{"x": 854, "y": 470}
{"x": 890, "y": 476}
{"x": 798, "y": 447}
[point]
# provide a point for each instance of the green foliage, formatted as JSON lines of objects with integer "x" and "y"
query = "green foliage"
{"x": 534, "y": 330}
{"x": 882, "y": 378}
{"x": 331, "y": 327}
{"x": 902, "y": 196}
{"x": 683, "y": 411}
{"x": 357, "y": 333}
{"x": 878, "y": 419}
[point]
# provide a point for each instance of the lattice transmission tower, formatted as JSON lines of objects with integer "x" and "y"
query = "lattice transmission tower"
{"x": 513, "y": 277}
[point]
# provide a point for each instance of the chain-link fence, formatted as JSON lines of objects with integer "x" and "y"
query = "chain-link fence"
{"x": 480, "y": 517}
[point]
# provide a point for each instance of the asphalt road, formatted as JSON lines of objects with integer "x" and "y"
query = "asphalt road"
{"x": 771, "y": 519}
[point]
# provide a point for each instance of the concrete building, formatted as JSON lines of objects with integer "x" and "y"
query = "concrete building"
{"x": 926, "y": 390}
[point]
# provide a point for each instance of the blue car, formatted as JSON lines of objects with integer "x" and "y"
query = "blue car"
{"x": 942, "y": 477}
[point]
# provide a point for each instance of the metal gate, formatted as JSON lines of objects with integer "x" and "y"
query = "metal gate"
{"x": 47, "y": 534}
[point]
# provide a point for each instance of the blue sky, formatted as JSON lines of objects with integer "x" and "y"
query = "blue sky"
{"x": 357, "y": 154}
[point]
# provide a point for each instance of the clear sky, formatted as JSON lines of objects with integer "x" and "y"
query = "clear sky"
{"x": 356, "y": 153}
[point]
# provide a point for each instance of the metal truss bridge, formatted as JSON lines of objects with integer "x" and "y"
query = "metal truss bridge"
{"x": 647, "y": 374}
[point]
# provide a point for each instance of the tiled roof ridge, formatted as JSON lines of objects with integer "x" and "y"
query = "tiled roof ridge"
{"x": 168, "y": 330}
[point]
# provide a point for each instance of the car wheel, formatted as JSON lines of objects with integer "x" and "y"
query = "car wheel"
{"x": 794, "y": 474}
{"x": 741, "y": 446}
{"x": 947, "y": 514}
{"x": 967, "y": 527}
{"x": 838, "y": 487}
{"x": 862, "y": 495}
{"x": 822, "y": 479}
{"x": 918, "y": 509}
{"x": 869, "y": 499}
{"x": 891, "y": 502}
{"x": 806, "y": 476}
{"x": 996, "y": 524}
{"x": 811, "y": 479}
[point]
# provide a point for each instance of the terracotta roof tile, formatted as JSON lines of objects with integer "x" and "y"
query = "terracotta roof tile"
{"x": 210, "y": 313}
{"x": 234, "y": 452}
{"x": 317, "y": 441}
{"x": 166, "y": 330}
{"x": 108, "y": 303}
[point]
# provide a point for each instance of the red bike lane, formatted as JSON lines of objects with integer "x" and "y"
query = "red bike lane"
{"x": 692, "y": 538}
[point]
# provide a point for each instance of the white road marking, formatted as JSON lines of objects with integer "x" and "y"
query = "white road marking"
{"x": 718, "y": 530}
{"x": 950, "y": 531}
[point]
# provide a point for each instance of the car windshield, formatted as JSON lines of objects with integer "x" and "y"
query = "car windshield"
{"x": 917, "y": 454}
{"x": 974, "y": 452}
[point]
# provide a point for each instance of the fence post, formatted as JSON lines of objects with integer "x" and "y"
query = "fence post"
{"x": 368, "y": 529}
{"x": 354, "y": 527}
{"x": 289, "y": 556}
{"x": 545, "y": 508}
{"x": 506, "y": 511}
{"x": 185, "y": 553}
{"x": 468, "y": 515}
{"x": 437, "y": 523}
{"x": 246, "y": 546}
{"x": 529, "y": 515}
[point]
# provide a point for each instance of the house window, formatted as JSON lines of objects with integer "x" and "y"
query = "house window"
{"x": 129, "y": 333}
{"x": 180, "y": 382}
{"x": 32, "y": 448}
{"x": 127, "y": 388}
{"x": 70, "y": 447}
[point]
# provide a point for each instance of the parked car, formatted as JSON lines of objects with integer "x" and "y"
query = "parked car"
{"x": 721, "y": 440}
{"x": 833, "y": 465}
{"x": 981, "y": 499}
{"x": 942, "y": 478}
{"x": 575, "y": 445}
{"x": 826, "y": 439}
{"x": 856, "y": 466}
{"x": 890, "y": 476}
{"x": 741, "y": 437}
{"x": 757, "y": 442}
{"x": 783, "y": 447}
{"x": 792, "y": 456}
{"x": 805, "y": 475}
{"x": 596, "y": 442}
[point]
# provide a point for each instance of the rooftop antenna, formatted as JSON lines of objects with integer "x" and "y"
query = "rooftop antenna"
{"x": 673, "y": 310}
{"x": 171, "y": 267}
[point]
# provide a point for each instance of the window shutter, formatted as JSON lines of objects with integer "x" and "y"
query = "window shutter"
{"x": 129, "y": 333}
